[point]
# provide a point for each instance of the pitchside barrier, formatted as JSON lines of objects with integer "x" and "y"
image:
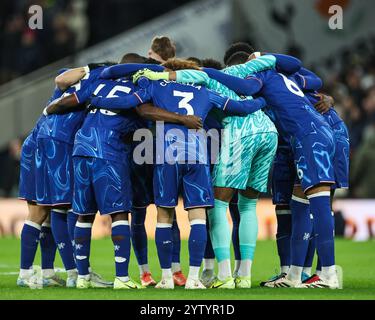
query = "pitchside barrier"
{"x": 359, "y": 216}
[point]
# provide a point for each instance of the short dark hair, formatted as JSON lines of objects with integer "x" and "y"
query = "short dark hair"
{"x": 237, "y": 47}
{"x": 132, "y": 58}
{"x": 164, "y": 47}
{"x": 212, "y": 63}
{"x": 196, "y": 60}
{"x": 237, "y": 58}
{"x": 151, "y": 61}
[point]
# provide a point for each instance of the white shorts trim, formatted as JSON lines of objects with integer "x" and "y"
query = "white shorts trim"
{"x": 197, "y": 221}
{"x": 320, "y": 194}
{"x": 300, "y": 200}
{"x": 120, "y": 223}
{"x": 83, "y": 224}
{"x": 33, "y": 224}
{"x": 163, "y": 225}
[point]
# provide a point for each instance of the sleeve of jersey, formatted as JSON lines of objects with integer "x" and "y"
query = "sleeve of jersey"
{"x": 244, "y": 107}
{"x": 247, "y": 87}
{"x": 83, "y": 94}
{"x": 192, "y": 76}
{"x": 310, "y": 80}
{"x": 287, "y": 64}
{"x": 128, "y": 102}
{"x": 255, "y": 65}
{"x": 121, "y": 70}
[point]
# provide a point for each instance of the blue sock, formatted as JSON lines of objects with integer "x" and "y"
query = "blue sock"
{"x": 47, "y": 246}
{"x": 164, "y": 245}
{"x": 311, "y": 250}
{"x": 324, "y": 227}
{"x": 72, "y": 220}
{"x": 283, "y": 235}
{"x": 197, "y": 242}
{"x": 121, "y": 242}
{"x": 29, "y": 243}
{"x": 139, "y": 235}
{"x": 176, "y": 241}
{"x": 318, "y": 264}
{"x": 235, "y": 214}
{"x": 301, "y": 230}
{"x": 59, "y": 225}
{"x": 82, "y": 239}
{"x": 209, "y": 251}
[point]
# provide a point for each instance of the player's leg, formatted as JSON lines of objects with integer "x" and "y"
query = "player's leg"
{"x": 263, "y": 147}
{"x": 235, "y": 215}
{"x": 164, "y": 246}
{"x": 178, "y": 277}
{"x": 301, "y": 233}
{"x": 197, "y": 195}
{"x": 141, "y": 179}
{"x": 197, "y": 245}
{"x": 30, "y": 236}
{"x": 220, "y": 235}
{"x": 82, "y": 240}
{"x": 48, "y": 252}
{"x": 283, "y": 177}
{"x": 72, "y": 220}
{"x": 121, "y": 242}
{"x": 228, "y": 175}
{"x": 314, "y": 154}
{"x": 208, "y": 275}
{"x": 59, "y": 226}
{"x": 248, "y": 233}
{"x": 166, "y": 185}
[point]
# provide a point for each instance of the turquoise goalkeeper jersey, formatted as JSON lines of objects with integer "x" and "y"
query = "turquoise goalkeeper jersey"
{"x": 238, "y": 127}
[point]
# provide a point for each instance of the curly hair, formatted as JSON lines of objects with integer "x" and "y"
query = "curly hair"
{"x": 164, "y": 47}
{"x": 180, "y": 64}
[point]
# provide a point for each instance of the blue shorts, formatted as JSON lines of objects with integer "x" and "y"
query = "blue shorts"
{"x": 54, "y": 172}
{"x": 283, "y": 176}
{"x": 142, "y": 184}
{"x": 27, "y": 184}
{"x": 341, "y": 157}
{"x": 314, "y": 157}
{"x": 101, "y": 185}
{"x": 193, "y": 181}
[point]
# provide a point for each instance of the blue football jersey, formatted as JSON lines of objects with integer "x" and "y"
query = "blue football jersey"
{"x": 63, "y": 127}
{"x": 101, "y": 133}
{"x": 292, "y": 111}
{"x": 331, "y": 115}
{"x": 185, "y": 99}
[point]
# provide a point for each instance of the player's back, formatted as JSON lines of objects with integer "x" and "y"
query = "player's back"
{"x": 63, "y": 127}
{"x": 102, "y": 130}
{"x": 293, "y": 112}
{"x": 180, "y": 98}
{"x": 186, "y": 100}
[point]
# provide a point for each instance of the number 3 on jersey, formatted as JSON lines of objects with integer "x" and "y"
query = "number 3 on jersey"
{"x": 184, "y": 102}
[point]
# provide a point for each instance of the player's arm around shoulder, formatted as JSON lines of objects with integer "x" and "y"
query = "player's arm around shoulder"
{"x": 256, "y": 63}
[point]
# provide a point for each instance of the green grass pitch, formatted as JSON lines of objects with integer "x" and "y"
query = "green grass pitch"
{"x": 356, "y": 259}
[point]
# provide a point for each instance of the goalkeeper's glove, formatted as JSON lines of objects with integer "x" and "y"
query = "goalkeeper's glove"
{"x": 152, "y": 75}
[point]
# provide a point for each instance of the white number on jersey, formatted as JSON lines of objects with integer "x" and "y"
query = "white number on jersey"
{"x": 184, "y": 102}
{"x": 292, "y": 87}
{"x": 111, "y": 94}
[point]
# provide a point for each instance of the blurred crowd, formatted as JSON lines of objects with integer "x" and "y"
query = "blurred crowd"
{"x": 68, "y": 26}
{"x": 350, "y": 78}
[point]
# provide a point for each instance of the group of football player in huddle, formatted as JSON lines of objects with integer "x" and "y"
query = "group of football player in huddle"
{"x": 117, "y": 137}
